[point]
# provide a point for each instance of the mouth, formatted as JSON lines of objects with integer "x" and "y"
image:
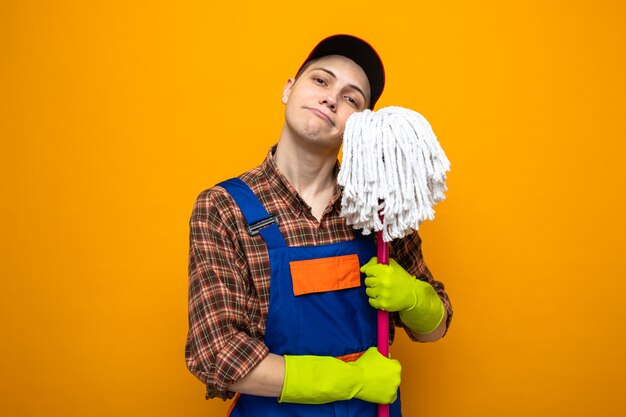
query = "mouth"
{"x": 322, "y": 116}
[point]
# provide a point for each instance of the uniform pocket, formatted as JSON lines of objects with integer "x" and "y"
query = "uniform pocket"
{"x": 325, "y": 274}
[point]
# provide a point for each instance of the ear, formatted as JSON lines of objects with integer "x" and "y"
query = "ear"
{"x": 287, "y": 89}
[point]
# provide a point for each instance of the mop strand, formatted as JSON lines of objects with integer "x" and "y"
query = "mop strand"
{"x": 392, "y": 162}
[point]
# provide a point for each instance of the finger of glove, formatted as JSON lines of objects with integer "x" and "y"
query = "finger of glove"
{"x": 373, "y": 261}
{"x": 374, "y": 281}
{"x": 373, "y": 292}
{"x": 374, "y": 270}
{"x": 379, "y": 303}
{"x": 382, "y": 282}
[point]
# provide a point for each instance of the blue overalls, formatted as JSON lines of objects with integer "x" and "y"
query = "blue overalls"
{"x": 327, "y": 317}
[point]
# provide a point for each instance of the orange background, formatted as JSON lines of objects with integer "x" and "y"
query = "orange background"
{"x": 114, "y": 115}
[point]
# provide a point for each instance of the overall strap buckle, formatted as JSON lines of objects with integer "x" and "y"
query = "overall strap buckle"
{"x": 254, "y": 228}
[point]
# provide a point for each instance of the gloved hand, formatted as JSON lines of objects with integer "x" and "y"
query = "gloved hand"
{"x": 324, "y": 379}
{"x": 391, "y": 288}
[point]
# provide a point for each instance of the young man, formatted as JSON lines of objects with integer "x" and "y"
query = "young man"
{"x": 278, "y": 310}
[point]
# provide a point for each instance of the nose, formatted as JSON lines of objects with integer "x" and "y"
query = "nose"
{"x": 330, "y": 101}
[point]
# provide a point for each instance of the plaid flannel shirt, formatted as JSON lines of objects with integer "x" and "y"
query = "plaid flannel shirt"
{"x": 229, "y": 273}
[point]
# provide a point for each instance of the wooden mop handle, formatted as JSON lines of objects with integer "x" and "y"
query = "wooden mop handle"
{"x": 383, "y": 316}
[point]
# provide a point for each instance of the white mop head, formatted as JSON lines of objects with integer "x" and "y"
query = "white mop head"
{"x": 391, "y": 161}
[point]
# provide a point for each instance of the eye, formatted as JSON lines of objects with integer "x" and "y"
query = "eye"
{"x": 352, "y": 101}
{"x": 319, "y": 80}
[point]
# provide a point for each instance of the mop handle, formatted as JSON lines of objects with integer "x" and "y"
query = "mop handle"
{"x": 383, "y": 317}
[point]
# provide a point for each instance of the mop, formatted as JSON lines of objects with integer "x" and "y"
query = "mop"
{"x": 393, "y": 172}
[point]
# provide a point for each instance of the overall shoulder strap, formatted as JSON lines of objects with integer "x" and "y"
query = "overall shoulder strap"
{"x": 258, "y": 220}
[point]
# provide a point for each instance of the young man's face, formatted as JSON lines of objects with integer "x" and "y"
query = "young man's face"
{"x": 320, "y": 101}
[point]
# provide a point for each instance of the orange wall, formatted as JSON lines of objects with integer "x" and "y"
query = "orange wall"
{"x": 113, "y": 117}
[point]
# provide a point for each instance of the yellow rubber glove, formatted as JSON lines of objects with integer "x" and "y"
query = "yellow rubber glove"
{"x": 324, "y": 379}
{"x": 391, "y": 288}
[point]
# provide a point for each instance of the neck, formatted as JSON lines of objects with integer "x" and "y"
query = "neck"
{"x": 310, "y": 169}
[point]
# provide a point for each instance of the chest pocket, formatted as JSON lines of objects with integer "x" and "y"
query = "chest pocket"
{"x": 325, "y": 274}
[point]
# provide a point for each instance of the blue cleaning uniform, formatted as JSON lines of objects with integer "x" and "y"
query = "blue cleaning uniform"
{"x": 323, "y": 323}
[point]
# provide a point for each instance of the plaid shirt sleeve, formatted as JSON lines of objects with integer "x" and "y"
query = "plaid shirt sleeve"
{"x": 220, "y": 349}
{"x": 408, "y": 253}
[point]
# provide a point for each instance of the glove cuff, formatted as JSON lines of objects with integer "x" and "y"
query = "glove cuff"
{"x": 318, "y": 380}
{"x": 427, "y": 312}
